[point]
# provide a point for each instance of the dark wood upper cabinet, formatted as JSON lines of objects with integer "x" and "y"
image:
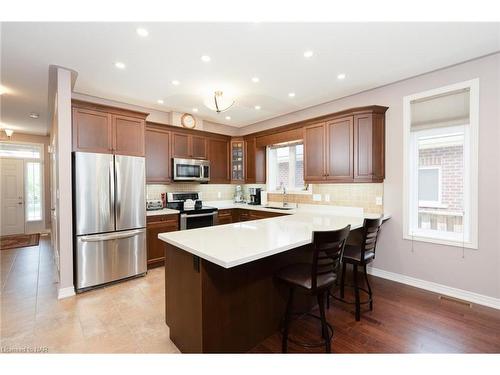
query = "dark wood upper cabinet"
{"x": 339, "y": 145}
{"x": 157, "y": 155}
{"x": 250, "y": 172}
{"x": 180, "y": 145}
{"x": 92, "y": 131}
{"x": 198, "y": 147}
{"x": 369, "y": 147}
{"x": 255, "y": 162}
{"x": 314, "y": 152}
{"x": 128, "y": 135}
{"x": 238, "y": 156}
{"x": 188, "y": 146}
{"x": 347, "y": 147}
{"x": 218, "y": 154}
{"x": 104, "y": 129}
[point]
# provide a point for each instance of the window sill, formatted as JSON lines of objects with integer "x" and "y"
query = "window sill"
{"x": 289, "y": 192}
{"x": 427, "y": 204}
{"x": 441, "y": 241}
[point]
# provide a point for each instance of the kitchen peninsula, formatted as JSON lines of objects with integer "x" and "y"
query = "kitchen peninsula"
{"x": 221, "y": 296}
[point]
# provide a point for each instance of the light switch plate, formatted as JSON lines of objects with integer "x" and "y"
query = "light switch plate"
{"x": 219, "y": 194}
{"x": 317, "y": 197}
{"x": 327, "y": 197}
{"x": 378, "y": 201}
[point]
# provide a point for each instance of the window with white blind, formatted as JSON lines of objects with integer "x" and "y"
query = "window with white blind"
{"x": 440, "y": 152}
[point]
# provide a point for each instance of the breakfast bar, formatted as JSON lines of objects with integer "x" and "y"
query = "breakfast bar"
{"x": 220, "y": 291}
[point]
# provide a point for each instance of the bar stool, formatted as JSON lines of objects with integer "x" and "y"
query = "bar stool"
{"x": 315, "y": 278}
{"x": 360, "y": 255}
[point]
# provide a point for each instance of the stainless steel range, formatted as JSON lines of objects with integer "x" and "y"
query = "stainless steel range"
{"x": 193, "y": 214}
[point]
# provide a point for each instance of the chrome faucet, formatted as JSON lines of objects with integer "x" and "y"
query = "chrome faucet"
{"x": 285, "y": 202}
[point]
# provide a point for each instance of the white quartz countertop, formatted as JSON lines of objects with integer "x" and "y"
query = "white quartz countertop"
{"x": 164, "y": 211}
{"x": 235, "y": 244}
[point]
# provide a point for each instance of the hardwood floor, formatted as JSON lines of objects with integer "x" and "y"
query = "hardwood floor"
{"x": 404, "y": 320}
{"x": 129, "y": 317}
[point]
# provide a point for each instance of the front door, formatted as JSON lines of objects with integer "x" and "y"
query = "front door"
{"x": 12, "y": 194}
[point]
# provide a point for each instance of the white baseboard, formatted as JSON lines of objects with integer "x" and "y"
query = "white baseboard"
{"x": 66, "y": 292}
{"x": 465, "y": 295}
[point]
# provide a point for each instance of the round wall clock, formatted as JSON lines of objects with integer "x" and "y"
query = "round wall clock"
{"x": 188, "y": 121}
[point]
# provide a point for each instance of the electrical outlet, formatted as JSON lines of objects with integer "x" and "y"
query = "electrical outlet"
{"x": 378, "y": 201}
{"x": 317, "y": 197}
{"x": 327, "y": 197}
{"x": 219, "y": 195}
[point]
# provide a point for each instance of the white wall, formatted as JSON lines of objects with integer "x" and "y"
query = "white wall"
{"x": 478, "y": 270}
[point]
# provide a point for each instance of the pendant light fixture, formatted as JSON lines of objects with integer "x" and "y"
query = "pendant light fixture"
{"x": 219, "y": 102}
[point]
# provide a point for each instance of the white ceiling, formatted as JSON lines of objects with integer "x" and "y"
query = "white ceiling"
{"x": 370, "y": 54}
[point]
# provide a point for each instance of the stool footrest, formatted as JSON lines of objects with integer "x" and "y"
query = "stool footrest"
{"x": 353, "y": 303}
{"x": 314, "y": 344}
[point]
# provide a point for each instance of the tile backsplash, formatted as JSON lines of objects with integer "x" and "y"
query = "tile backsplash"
{"x": 352, "y": 195}
{"x": 209, "y": 192}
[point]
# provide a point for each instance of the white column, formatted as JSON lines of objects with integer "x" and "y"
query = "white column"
{"x": 64, "y": 190}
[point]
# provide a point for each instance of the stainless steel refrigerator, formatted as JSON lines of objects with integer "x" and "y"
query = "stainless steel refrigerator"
{"x": 110, "y": 218}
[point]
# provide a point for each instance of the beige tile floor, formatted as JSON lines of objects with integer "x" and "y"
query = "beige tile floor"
{"x": 123, "y": 318}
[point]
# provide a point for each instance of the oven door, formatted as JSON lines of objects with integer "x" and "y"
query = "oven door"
{"x": 187, "y": 170}
{"x": 198, "y": 220}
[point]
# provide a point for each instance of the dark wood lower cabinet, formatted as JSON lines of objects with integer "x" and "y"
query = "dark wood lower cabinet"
{"x": 240, "y": 214}
{"x": 155, "y": 247}
{"x": 225, "y": 216}
{"x": 211, "y": 309}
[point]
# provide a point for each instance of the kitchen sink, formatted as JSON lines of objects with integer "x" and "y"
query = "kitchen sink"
{"x": 280, "y": 208}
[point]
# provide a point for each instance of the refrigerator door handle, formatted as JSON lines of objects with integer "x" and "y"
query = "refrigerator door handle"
{"x": 111, "y": 236}
{"x": 117, "y": 191}
{"x": 111, "y": 189}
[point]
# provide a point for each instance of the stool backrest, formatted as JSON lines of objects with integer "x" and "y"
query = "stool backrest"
{"x": 328, "y": 249}
{"x": 371, "y": 229}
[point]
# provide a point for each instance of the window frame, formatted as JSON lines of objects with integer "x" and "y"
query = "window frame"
{"x": 41, "y": 161}
{"x": 26, "y": 162}
{"x": 273, "y": 190}
{"x": 439, "y": 202}
{"x": 471, "y": 164}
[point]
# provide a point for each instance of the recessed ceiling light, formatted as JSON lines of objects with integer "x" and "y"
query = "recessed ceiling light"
{"x": 257, "y": 107}
{"x": 255, "y": 79}
{"x": 34, "y": 115}
{"x": 341, "y": 76}
{"x": 291, "y": 94}
{"x": 205, "y": 58}
{"x": 175, "y": 82}
{"x": 120, "y": 65}
{"x": 142, "y": 32}
{"x": 228, "y": 117}
{"x": 195, "y": 110}
{"x": 160, "y": 101}
{"x": 308, "y": 54}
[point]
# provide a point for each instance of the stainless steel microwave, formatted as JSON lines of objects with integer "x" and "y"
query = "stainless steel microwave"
{"x": 191, "y": 170}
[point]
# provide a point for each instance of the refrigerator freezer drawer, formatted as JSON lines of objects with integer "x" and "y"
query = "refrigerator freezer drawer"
{"x": 103, "y": 258}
